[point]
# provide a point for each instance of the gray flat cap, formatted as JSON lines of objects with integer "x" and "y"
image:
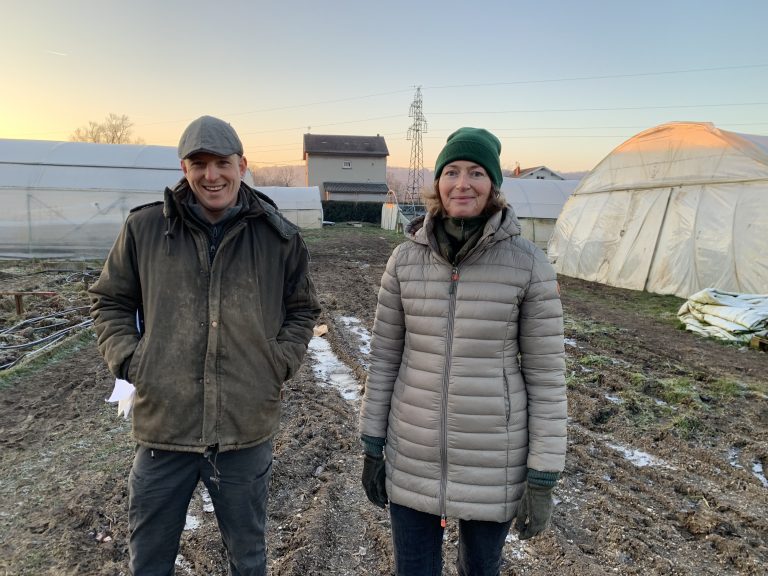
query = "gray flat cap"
{"x": 209, "y": 134}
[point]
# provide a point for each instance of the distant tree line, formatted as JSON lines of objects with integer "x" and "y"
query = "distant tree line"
{"x": 115, "y": 129}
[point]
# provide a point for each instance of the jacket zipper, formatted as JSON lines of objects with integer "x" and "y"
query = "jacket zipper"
{"x": 444, "y": 399}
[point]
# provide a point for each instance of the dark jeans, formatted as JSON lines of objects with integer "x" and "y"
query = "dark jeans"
{"x": 160, "y": 487}
{"x": 418, "y": 541}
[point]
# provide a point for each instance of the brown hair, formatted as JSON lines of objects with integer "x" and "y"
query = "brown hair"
{"x": 431, "y": 198}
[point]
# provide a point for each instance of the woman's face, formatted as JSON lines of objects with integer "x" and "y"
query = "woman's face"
{"x": 464, "y": 189}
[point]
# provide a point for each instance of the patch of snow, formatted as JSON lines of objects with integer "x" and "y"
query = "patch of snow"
{"x": 192, "y": 523}
{"x": 614, "y": 399}
{"x": 207, "y": 502}
{"x": 638, "y": 457}
{"x": 184, "y": 564}
{"x": 516, "y": 550}
{"x": 733, "y": 457}
{"x": 355, "y": 327}
{"x": 331, "y": 371}
{"x": 570, "y": 342}
{"x": 757, "y": 470}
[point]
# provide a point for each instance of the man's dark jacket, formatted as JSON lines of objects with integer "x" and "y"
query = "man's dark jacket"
{"x": 219, "y": 337}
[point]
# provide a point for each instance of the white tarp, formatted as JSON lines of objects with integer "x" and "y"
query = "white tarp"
{"x": 725, "y": 315}
{"x": 674, "y": 210}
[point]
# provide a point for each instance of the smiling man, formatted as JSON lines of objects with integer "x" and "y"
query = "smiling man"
{"x": 220, "y": 282}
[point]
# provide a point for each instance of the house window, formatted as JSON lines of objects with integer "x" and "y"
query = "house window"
{"x": 346, "y": 165}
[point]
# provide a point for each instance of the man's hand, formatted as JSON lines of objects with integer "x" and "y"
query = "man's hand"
{"x": 374, "y": 480}
{"x": 534, "y": 511}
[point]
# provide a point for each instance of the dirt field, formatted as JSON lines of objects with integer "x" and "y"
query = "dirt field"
{"x": 665, "y": 474}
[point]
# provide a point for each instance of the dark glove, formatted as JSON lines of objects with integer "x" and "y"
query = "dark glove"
{"x": 374, "y": 480}
{"x": 534, "y": 511}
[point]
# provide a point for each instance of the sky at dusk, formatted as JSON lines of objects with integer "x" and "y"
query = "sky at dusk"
{"x": 561, "y": 83}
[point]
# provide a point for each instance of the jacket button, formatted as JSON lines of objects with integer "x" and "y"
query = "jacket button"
{"x": 214, "y": 323}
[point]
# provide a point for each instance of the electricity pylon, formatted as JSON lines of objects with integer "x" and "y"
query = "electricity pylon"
{"x": 415, "y": 169}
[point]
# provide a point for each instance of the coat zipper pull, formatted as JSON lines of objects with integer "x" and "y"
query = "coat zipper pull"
{"x": 454, "y": 279}
{"x": 442, "y": 520}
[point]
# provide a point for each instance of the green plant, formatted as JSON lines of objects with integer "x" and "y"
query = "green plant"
{"x": 687, "y": 426}
{"x": 595, "y": 360}
{"x": 676, "y": 390}
{"x": 725, "y": 388}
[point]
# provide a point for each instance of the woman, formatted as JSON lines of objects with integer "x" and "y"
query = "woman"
{"x": 464, "y": 412}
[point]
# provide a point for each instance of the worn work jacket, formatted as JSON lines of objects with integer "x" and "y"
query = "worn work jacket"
{"x": 219, "y": 336}
{"x": 467, "y": 376}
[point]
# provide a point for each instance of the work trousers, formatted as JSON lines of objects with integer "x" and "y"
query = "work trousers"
{"x": 160, "y": 487}
{"x": 418, "y": 544}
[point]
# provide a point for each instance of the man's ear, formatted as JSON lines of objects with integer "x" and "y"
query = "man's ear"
{"x": 242, "y": 164}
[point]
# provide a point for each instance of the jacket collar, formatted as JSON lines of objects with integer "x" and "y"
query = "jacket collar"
{"x": 501, "y": 225}
{"x": 255, "y": 204}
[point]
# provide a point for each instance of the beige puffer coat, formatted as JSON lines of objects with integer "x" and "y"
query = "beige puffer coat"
{"x": 467, "y": 377}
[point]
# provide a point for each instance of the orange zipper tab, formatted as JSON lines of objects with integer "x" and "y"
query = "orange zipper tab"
{"x": 442, "y": 521}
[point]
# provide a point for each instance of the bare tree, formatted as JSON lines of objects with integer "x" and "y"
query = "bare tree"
{"x": 113, "y": 130}
{"x": 275, "y": 176}
{"x": 396, "y": 185}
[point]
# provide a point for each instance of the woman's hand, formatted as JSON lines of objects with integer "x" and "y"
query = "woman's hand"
{"x": 374, "y": 480}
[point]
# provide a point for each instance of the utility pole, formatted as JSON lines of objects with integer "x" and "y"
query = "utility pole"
{"x": 415, "y": 169}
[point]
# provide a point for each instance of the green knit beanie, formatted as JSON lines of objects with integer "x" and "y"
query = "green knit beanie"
{"x": 475, "y": 145}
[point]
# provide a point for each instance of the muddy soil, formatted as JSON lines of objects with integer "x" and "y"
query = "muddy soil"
{"x": 665, "y": 474}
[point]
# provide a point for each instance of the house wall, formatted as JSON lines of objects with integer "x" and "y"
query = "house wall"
{"x": 541, "y": 174}
{"x": 331, "y": 169}
{"x": 355, "y": 197}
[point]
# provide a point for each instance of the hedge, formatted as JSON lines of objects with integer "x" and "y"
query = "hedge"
{"x": 344, "y": 211}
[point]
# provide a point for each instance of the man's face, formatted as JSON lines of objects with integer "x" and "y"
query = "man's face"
{"x": 215, "y": 181}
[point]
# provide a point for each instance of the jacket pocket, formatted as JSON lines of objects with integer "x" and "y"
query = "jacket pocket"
{"x": 515, "y": 397}
{"x": 277, "y": 360}
{"x": 507, "y": 399}
{"x": 134, "y": 363}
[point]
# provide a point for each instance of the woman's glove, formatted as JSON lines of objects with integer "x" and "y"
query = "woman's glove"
{"x": 374, "y": 479}
{"x": 536, "y": 505}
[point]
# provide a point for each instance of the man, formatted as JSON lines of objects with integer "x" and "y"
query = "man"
{"x": 206, "y": 305}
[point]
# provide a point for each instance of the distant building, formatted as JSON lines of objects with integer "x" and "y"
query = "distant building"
{"x": 536, "y": 173}
{"x": 351, "y": 168}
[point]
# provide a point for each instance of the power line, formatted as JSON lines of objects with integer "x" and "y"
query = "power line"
{"x": 605, "y": 109}
{"x": 601, "y": 77}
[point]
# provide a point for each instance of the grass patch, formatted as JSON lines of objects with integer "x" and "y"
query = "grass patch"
{"x": 61, "y": 351}
{"x": 595, "y": 360}
{"x": 687, "y": 426}
{"x": 673, "y": 391}
{"x": 351, "y": 233}
{"x": 637, "y": 379}
{"x": 724, "y": 388}
{"x": 660, "y": 306}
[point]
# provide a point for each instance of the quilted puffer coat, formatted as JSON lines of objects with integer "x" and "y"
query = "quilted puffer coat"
{"x": 467, "y": 376}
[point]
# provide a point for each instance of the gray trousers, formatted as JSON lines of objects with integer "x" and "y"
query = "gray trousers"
{"x": 160, "y": 487}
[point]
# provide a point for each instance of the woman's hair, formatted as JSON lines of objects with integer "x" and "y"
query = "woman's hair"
{"x": 431, "y": 198}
